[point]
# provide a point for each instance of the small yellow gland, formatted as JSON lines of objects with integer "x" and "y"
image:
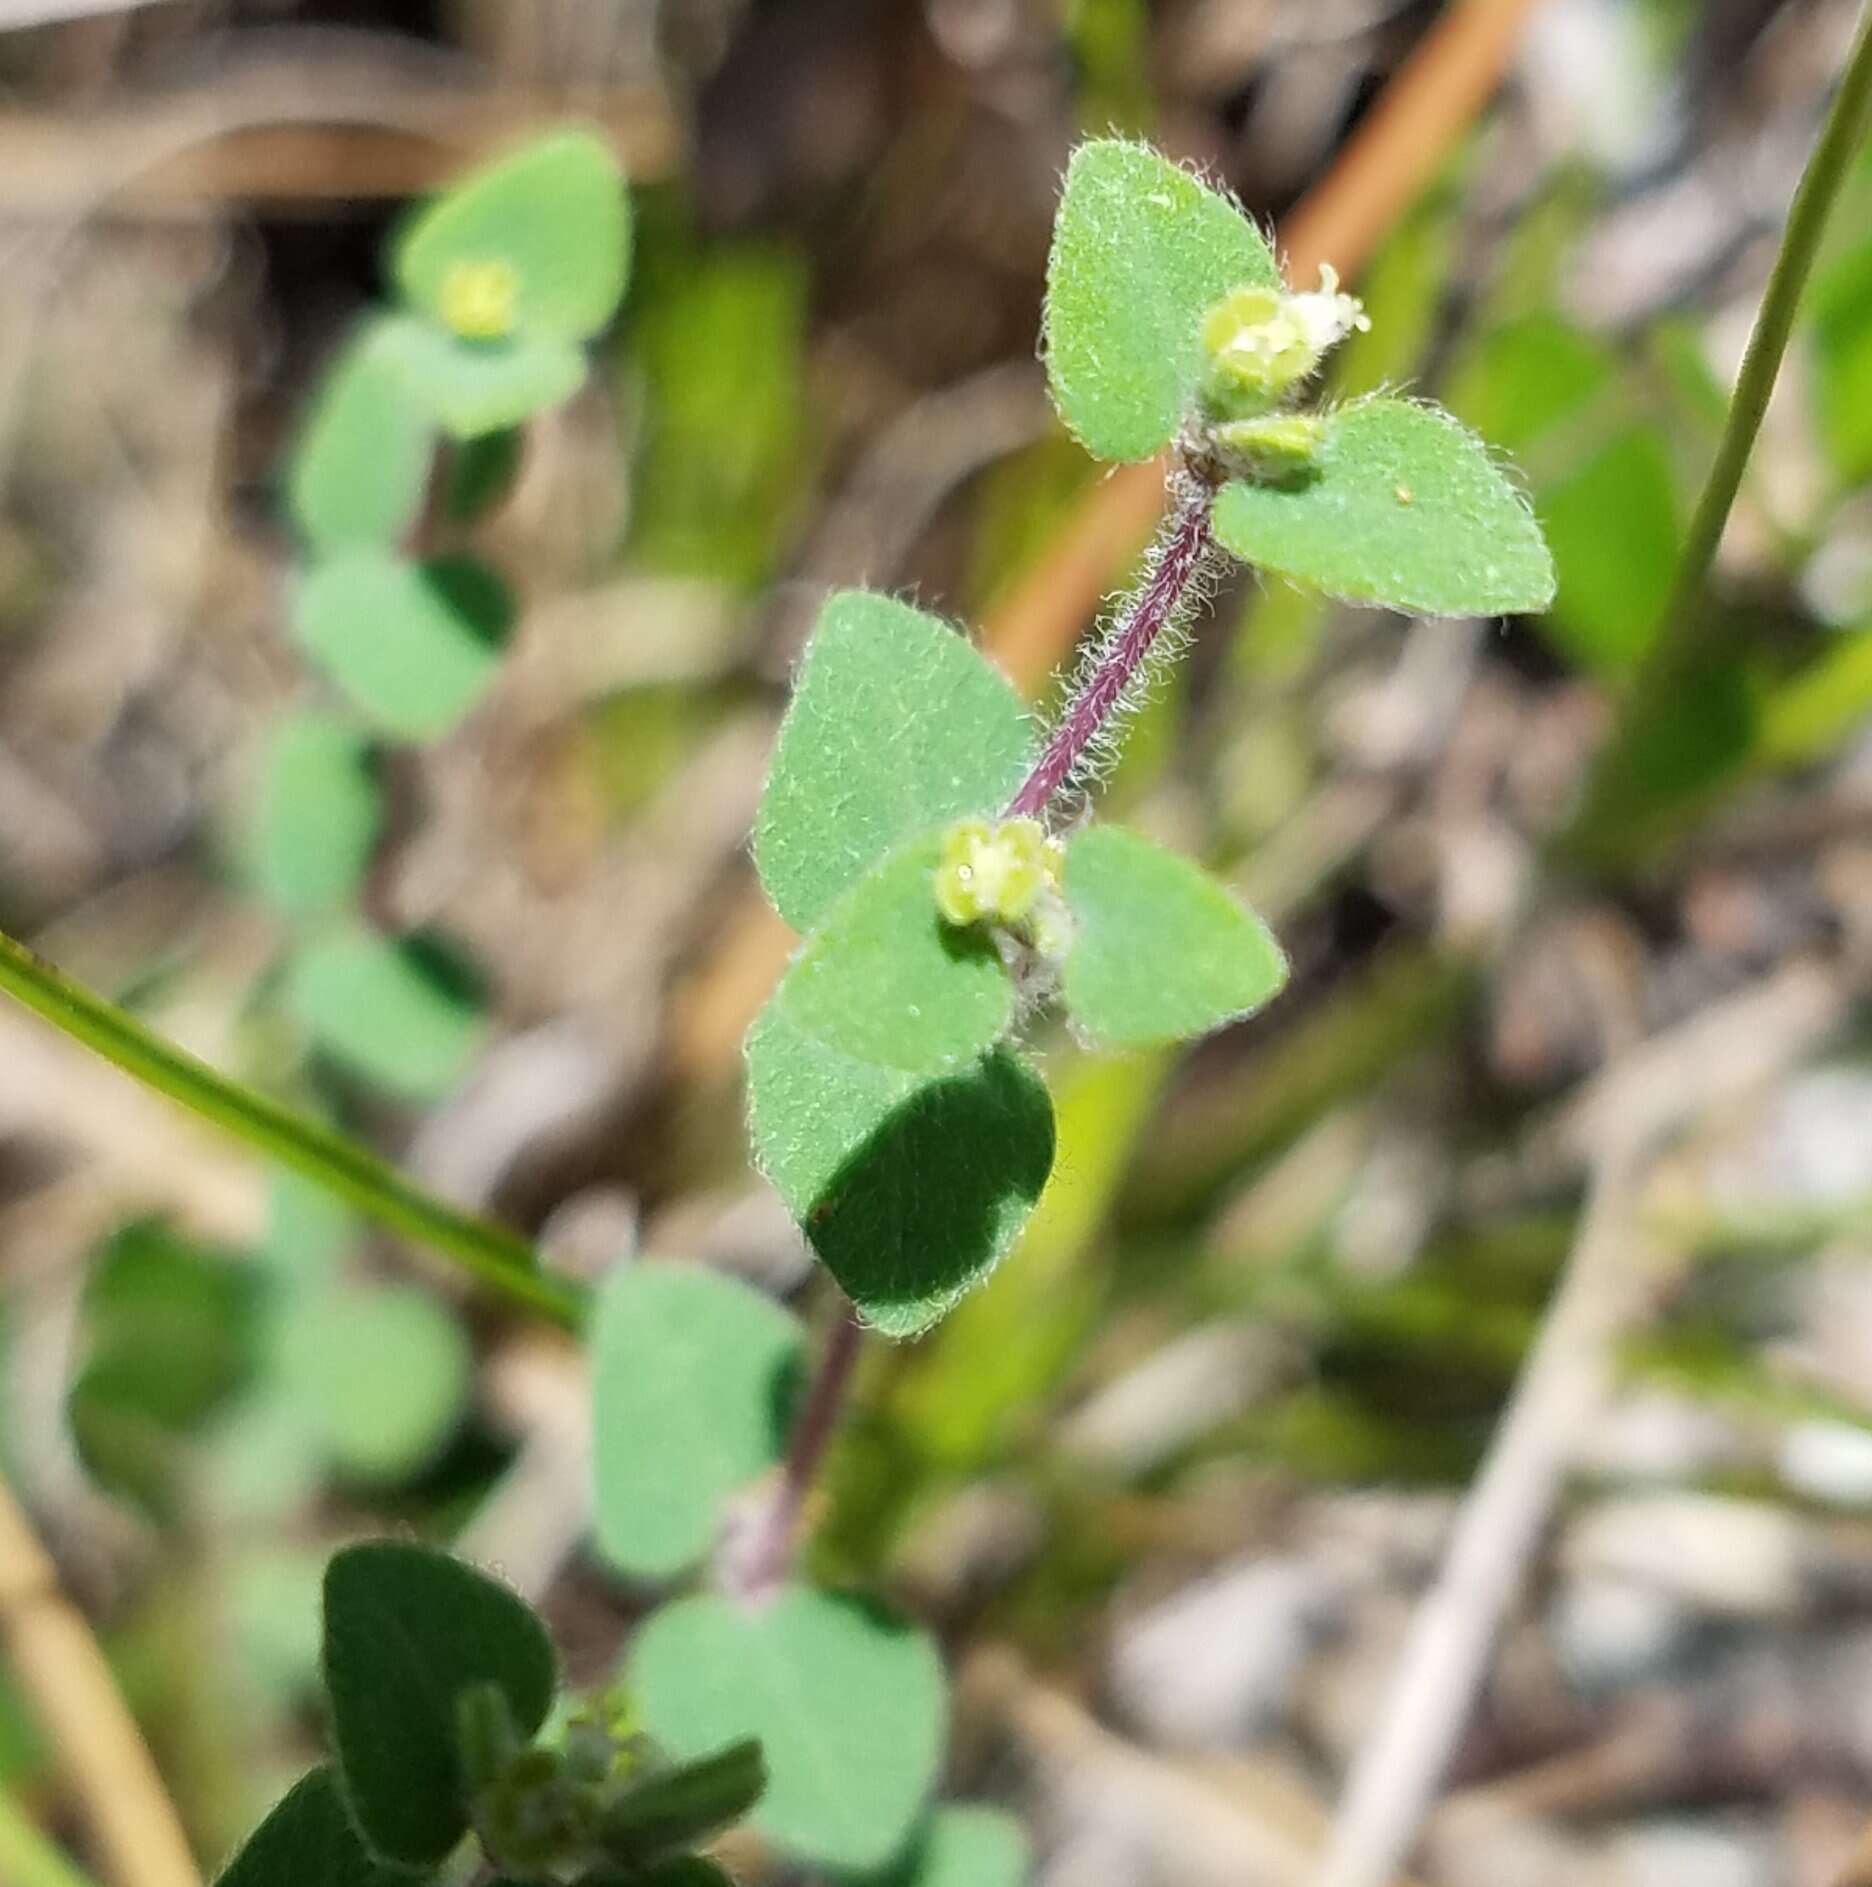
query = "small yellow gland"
{"x": 1260, "y": 343}
{"x": 995, "y": 873}
{"x": 479, "y": 299}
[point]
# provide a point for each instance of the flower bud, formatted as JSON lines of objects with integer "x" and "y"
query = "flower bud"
{"x": 1272, "y": 449}
{"x": 1260, "y": 343}
{"x": 995, "y": 873}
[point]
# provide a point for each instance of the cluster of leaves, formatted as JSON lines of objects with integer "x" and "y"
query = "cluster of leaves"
{"x": 438, "y": 1682}
{"x": 905, "y": 1134}
{"x": 695, "y": 1381}
{"x": 415, "y": 437}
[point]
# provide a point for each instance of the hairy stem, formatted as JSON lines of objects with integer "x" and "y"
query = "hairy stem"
{"x": 490, "y": 1253}
{"x": 1184, "y": 549}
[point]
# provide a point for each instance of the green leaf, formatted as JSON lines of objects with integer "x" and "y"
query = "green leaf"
{"x": 883, "y": 979}
{"x": 1614, "y": 528}
{"x": 1406, "y": 511}
{"x": 555, "y": 212}
{"x": 911, "y": 1189}
{"x": 965, "y": 1846}
{"x": 481, "y": 472}
{"x": 683, "y": 1870}
{"x": 693, "y": 1375}
{"x": 317, "y": 816}
{"x": 414, "y": 645}
{"x": 1160, "y": 950}
{"x": 167, "y": 1339}
{"x": 473, "y": 388}
{"x": 380, "y": 1376}
{"x": 1141, "y": 250}
{"x": 407, "y": 1629}
{"x": 1842, "y": 346}
{"x": 897, "y": 725}
{"x": 399, "y": 1012}
{"x": 848, "y": 1703}
{"x": 361, "y": 466}
{"x": 308, "y": 1841}
{"x": 309, "y": 1230}
{"x": 679, "y": 1807}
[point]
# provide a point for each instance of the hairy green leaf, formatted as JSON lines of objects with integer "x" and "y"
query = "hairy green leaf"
{"x": 308, "y": 1841}
{"x": 910, "y": 1188}
{"x": 407, "y": 1630}
{"x": 1141, "y": 250}
{"x": 398, "y": 1011}
{"x": 1160, "y": 950}
{"x": 1406, "y": 510}
{"x": 316, "y": 816}
{"x": 555, "y": 212}
{"x": 473, "y": 388}
{"x": 965, "y": 1846}
{"x": 361, "y": 465}
{"x": 897, "y": 725}
{"x": 693, "y": 1374}
{"x": 883, "y": 979}
{"x": 848, "y": 1703}
{"x": 379, "y": 1376}
{"x": 414, "y": 645}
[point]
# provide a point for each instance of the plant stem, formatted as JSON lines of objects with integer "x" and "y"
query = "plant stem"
{"x": 497, "y": 1257}
{"x": 27, "y": 1857}
{"x": 1184, "y": 549}
{"x": 763, "y": 1561}
{"x": 1820, "y": 183}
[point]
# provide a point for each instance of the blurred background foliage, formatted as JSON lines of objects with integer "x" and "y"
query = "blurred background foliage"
{"x": 1169, "y": 1482}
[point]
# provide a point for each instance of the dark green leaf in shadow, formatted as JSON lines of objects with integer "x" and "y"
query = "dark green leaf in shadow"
{"x": 407, "y": 1630}
{"x": 910, "y": 1188}
{"x": 308, "y": 1841}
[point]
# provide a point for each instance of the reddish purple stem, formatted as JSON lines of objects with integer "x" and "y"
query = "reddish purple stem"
{"x": 754, "y": 1567}
{"x": 764, "y": 1561}
{"x": 1185, "y": 547}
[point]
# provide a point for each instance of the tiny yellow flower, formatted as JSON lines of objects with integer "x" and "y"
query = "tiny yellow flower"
{"x": 478, "y": 299}
{"x": 995, "y": 873}
{"x": 1260, "y": 343}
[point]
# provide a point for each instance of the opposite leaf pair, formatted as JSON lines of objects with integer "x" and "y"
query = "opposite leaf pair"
{"x": 905, "y": 1137}
{"x": 438, "y": 1679}
{"x": 1386, "y": 501}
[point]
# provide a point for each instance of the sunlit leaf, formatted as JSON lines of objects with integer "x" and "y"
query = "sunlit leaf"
{"x": 1160, "y": 950}
{"x": 883, "y": 979}
{"x": 693, "y": 1375}
{"x": 848, "y": 1703}
{"x": 555, "y": 212}
{"x": 414, "y": 645}
{"x": 897, "y": 725}
{"x": 316, "y": 816}
{"x": 1406, "y": 511}
{"x": 380, "y": 1375}
{"x": 1141, "y": 250}
{"x": 361, "y": 466}
{"x": 474, "y": 388}
{"x": 398, "y": 1011}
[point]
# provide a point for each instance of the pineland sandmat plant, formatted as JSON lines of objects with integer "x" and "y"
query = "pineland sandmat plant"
{"x": 935, "y": 848}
